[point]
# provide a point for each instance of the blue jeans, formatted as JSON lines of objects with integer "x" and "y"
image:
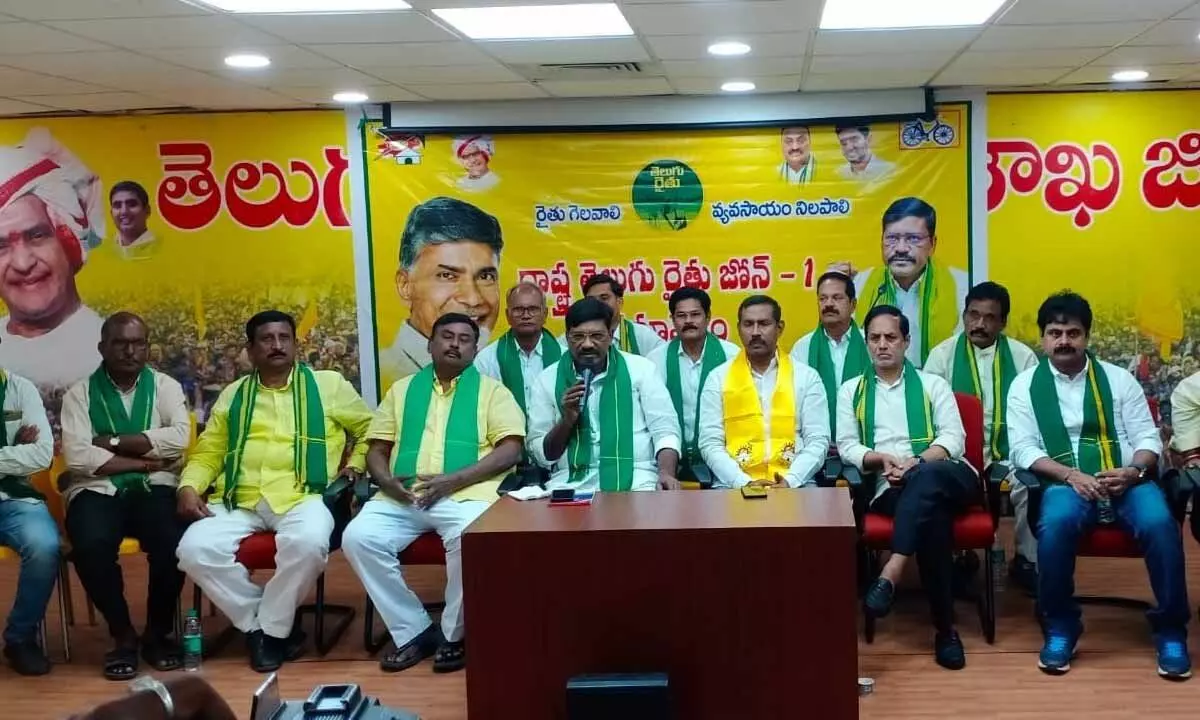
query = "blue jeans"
{"x": 28, "y": 529}
{"x": 1143, "y": 511}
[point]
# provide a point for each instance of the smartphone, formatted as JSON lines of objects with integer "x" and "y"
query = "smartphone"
{"x": 753, "y": 492}
{"x": 266, "y": 703}
{"x": 562, "y": 495}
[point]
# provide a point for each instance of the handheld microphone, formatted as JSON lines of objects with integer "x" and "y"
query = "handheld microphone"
{"x": 586, "y": 375}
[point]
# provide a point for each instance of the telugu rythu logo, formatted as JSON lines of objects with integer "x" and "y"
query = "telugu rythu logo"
{"x": 667, "y": 195}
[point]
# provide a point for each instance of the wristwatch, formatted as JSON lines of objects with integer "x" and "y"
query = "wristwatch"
{"x": 114, "y": 442}
{"x": 145, "y": 683}
{"x": 1142, "y": 470}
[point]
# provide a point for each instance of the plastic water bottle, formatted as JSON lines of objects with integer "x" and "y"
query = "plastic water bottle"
{"x": 999, "y": 566}
{"x": 1106, "y": 513}
{"x": 193, "y": 641}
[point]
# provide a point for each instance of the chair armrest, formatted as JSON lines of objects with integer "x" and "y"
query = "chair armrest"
{"x": 997, "y": 473}
{"x": 831, "y": 472}
{"x": 1029, "y": 479}
{"x": 854, "y": 477}
{"x": 1189, "y": 479}
{"x": 364, "y": 489}
{"x": 337, "y": 490}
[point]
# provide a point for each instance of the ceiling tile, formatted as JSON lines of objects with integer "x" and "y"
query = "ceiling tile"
{"x": 1192, "y": 13}
{"x": 1172, "y": 32}
{"x": 695, "y": 47}
{"x": 205, "y": 31}
{"x": 997, "y": 76}
{"x": 853, "y": 42}
{"x": 607, "y": 88}
{"x": 229, "y": 97}
{"x": 351, "y": 28}
{"x": 1099, "y": 74}
{"x": 712, "y": 86}
{"x": 20, "y": 82}
{"x": 722, "y": 18}
{"x": 727, "y": 68}
{"x": 1050, "y": 37}
{"x": 1014, "y": 59}
{"x": 1040, "y": 12}
{"x": 14, "y": 107}
{"x": 285, "y": 57}
{"x": 83, "y": 64}
{"x": 325, "y": 77}
{"x": 427, "y": 74}
{"x": 524, "y": 52}
{"x": 24, "y": 37}
{"x": 825, "y": 64}
{"x": 878, "y": 79}
{"x": 95, "y": 9}
{"x": 481, "y": 91}
{"x": 101, "y": 102}
{"x": 324, "y": 96}
{"x": 382, "y": 54}
{"x": 1139, "y": 56}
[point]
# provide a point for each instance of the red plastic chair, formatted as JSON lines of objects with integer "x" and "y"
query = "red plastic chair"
{"x": 425, "y": 550}
{"x": 974, "y": 530}
{"x": 257, "y": 552}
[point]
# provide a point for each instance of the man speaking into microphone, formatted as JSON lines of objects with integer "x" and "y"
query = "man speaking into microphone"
{"x": 600, "y": 419}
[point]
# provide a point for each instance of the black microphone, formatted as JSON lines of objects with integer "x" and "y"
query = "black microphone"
{"x": 586, "y": 375}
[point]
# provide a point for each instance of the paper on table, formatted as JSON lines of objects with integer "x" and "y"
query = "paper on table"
{"x": 529, "y": 492}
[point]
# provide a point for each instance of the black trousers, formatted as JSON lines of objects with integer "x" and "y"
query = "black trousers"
{"x": 96, "y": 524}
{"x": 923, "y": 511}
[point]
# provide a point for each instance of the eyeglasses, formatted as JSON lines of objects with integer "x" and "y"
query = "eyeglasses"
{"x": 910, "y": 239}
{"x": 578, "y": 338}
{"x": 525, "y": 310}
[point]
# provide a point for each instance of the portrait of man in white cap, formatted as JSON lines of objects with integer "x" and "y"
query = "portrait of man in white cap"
{"x": 474, "y": 153}
{"x": 51, "y": 214}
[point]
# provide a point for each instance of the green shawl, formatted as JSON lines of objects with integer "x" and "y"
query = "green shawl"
{"x": 508, "y": 356}
{"x": 711, "y": 358}
{"x": 616, "y": 425}
{"x": 107, "y": 412}
{"x": 461, "y": 448}
{"x": 965, "y": 379}
{"x": 628, "y": 341}
{"x": 821, "y": 360}
{"x": 921, "y": 431}
{"x": 1099, "y": 449}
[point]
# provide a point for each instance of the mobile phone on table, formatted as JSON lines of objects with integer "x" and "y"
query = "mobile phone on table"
{"x": 753, "y": 492}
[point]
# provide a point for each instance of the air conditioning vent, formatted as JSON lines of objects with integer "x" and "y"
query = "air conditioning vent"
{"x": 587, "y": 70}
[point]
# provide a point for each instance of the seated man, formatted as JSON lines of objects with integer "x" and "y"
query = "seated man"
{"x": 272, "y": 443}
{"x": 1084, "y": 426}
{"x": 983, "y": 361}
{"x": 627, "y": 438}
{"x": 25, "y": 524}
{"x": 763, "y": 418}
{"x": 441, "y": 442}
{"x": 903, "y": 425}
{"x": 1185, "y": 436}
{"x": 835, "y": 349}
{"x": 124, "y": 432}
{"x": 684, "y": 364}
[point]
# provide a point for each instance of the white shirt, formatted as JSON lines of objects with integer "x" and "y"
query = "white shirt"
{"x": 647, "y": 339}
{"x": 876, "y": 168}
{"x": 812, "y": 424}
{"x": 486, "y": 181}
{"x": 58, "y": 358}
{"x": 689, "y": 379}
{"x": 655, "y": 427}
{"x": 407, "y": 355}
{"x": 487, "y": 363}
{"x": 803, "y": 176}
{"x": 1131, "y": 415}
{"x": 23, "y": 406}
{"x": 941, "y": 363}
{"x": 169, "y": 434}
{"x": 909, "y": 303}
{"x": 891, "y": 422}
{"x": 838, "y": 349}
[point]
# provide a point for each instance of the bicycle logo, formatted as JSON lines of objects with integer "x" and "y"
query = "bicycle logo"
{"x": 918, "y": 132}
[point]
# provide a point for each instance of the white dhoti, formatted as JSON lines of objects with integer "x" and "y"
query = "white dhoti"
{"x": 208, "y": 548}
{"x": 1025, "y": 540}
{"x": 374, "y": 540}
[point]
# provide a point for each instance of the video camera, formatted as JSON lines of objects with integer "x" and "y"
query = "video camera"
{"x": 327, "y": 702}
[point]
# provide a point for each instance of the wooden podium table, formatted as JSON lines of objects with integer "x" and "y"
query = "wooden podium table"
{"x": 748, "y": 605}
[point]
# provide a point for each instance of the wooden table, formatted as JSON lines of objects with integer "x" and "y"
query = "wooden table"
{"x": 748, "y": 605}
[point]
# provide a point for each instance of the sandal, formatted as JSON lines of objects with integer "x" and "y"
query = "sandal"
{"x": 412, "y": 653}
{"x": 450, "y": 657}
{"x": 121, "y": 663}
{"x": 162, "y": 654}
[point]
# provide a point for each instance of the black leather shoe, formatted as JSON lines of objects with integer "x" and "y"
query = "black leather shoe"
{"x": 27, "y": 658}
{"x": 879, "y": 598}
{"x": 291, "y": 647}
{"x": 948, "y": 650}
{"x": 264, "y": 654}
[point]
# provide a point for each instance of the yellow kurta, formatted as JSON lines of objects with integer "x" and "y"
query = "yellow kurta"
{"x": 268, "y": 465}
{"x": 499, "y": 417}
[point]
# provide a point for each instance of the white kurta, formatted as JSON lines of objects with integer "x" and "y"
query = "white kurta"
{"x": 941, "y": 363}
{"x": 909, "y": 303}
{"x": 23, "y": 406}
{"x": 487, "y": 363}
{"x": 58, "y": 358}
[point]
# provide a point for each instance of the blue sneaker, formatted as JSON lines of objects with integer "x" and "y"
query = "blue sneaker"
{"x": 1055, "y": 658}
{"x": 1173, "y": 660}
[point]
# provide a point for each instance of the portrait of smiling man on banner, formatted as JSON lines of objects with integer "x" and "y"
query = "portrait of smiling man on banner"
{"x": 51, "y": 214}
{"x": 449, "y": 262}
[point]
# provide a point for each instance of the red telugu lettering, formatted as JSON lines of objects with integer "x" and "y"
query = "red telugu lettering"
{"x": 1068, "y": 193}
{"x": 196, "y": 184}
{"x": 1025, "y": 173}
{"x": 1181, "y": 155}
{"x": 248, "y": 176}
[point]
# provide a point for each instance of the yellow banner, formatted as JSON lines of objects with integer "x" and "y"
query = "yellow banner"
{"x": 1099, "y": 192}
{"x": 735, "y": 212}
{"x": 241, "y": 212}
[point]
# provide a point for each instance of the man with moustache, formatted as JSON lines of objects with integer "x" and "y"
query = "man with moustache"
{"x": 630, "y": 337}
{"x": 1084, "y": 427}
{"x": 799, "y": 165}
{"x": 929, "y": 293}
{"x": 521, "y": 354}
{"x": 441, "y": 442}
{"x": 51, "y": 215}
{"x": 273, "y": 443}
{"x": 763, "y": 418}
{"x": 449, "y": 262}
{"x": 903, "y": 426}
{"x": 861, "y": 161}
{"x": 600, "y": 419}
{"x": 683, "y": 365}
{"x": 982, "y": 361}
{"x": 836, "y": 349}
{"x": 130, "y": 206}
